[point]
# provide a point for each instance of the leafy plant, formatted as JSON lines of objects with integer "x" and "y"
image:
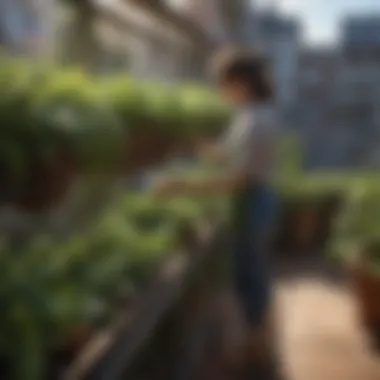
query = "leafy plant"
{"x": 50, "y": 289}
{"x": 357, "y": 231}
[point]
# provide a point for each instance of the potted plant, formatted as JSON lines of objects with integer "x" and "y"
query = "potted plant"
{"x": 365, "y": 272}
{"x": 146, "y": 141}
{"x": 357, "y": 245}
{"x": 161, "y": 120}
{"x": 65, "y": 130}
{"x": 310, "y": 205}
{"x": 58, "y": 294}
{"x": 206, "y": 116}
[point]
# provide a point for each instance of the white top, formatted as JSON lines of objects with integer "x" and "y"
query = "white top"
{"x": 251, "y": 142}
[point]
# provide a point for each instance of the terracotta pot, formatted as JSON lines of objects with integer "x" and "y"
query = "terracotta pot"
{"x": 366, "y": 288}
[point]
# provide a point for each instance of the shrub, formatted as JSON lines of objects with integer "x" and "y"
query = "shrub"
{"x": 51, "y": 289}
{"x": 59, "y": 123}
{"x": 357, "y": 233}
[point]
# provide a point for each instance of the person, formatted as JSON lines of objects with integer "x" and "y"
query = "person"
{"x": 247, "y": 151}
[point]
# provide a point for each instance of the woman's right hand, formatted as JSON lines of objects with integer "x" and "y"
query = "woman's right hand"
{"x": 209, "y": 151}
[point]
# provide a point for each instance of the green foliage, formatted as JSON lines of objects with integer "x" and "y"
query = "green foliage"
{"x": 357, "y": 230}
{"x": 49, "y": 288}
{"x": 49, "y": 115}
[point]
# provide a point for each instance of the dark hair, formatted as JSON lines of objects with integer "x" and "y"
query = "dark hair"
{"x": 244, "y": 66}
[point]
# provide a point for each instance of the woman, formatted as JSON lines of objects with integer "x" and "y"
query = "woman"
{"x": 247, "y": 152}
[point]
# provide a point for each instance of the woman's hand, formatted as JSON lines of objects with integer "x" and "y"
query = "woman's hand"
{"x": 210, "y": 151}
{"x": 170, "y": 189}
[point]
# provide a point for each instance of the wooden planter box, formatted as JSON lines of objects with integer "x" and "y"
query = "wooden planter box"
{"x": 160, "y": 334}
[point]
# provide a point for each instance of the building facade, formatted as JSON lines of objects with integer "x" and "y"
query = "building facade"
{"x": 339, "y": 99}
{"x": 149, "y": 40}
{"x": 225, "y": 20}
{"x": 358, "y": 88}
{"x": 26, "y": 26}
{"x": 278, "y": 38}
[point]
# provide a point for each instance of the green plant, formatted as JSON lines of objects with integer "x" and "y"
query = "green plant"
{"x": 357, "y": 233}
{"x": 49, "y": 289}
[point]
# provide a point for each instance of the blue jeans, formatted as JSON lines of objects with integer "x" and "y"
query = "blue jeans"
{"x": 255, "y": 212}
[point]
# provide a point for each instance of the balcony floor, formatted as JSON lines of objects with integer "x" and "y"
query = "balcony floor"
{"x": 319, "y": 333}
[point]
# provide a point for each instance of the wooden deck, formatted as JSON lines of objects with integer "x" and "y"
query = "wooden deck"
{"x": 319, "y": 335}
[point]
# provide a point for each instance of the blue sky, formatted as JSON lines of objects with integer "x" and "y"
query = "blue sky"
{"x": 321, "y": 17}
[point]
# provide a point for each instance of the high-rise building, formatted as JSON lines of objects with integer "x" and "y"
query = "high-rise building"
{"x": 358, "y": 92}
{"x": 339, "y": 98}
{"x": 361, "y": 32}
{"x": 278, "y": 38}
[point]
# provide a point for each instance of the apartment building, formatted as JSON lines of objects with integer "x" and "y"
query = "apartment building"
{"x": 339, "y": 98}
{"x": 278, "y": 38}
{"x": 149, "y": 39}
{"x": 26, "y": 26}
{"x": 357, "y": 96}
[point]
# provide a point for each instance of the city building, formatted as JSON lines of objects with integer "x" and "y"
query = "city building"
{"x": 360, "y": 33}
{"x": 146, "y": 38}
{"x": 358, "y": 89}
{"x": 168, "y": 40}
{"x": 26, "y": 27}
{"x": 315, "y": 85}
{"x": 278, "y": 38}
{"x": 339, "y": 99}
{"x": 225, "y": 20}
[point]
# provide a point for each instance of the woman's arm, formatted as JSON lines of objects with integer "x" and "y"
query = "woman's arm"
{"x": 211, "y": 152}
{"x": 255, "y": 159}
{"x": 218, "y": 185}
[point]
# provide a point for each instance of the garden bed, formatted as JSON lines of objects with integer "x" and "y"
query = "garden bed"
{"x": 61, "y": 124}
{"x": 60, "y": 295}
